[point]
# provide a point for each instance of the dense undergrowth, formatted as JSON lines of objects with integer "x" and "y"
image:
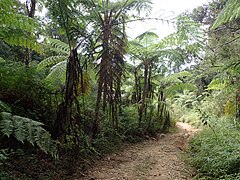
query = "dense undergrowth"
{"x": 215, "y": 152}
{"x": 28, "y": 108}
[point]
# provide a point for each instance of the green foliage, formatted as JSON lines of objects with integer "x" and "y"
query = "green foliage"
{"x": 24, "y": 92}
{"x": 58, "y": 73}
{"x": 25, "y": 129}
{"x": 17, "y": 29}
{"x": 229, "y": 13}
{"x": 230, "y": 109}
{"x": 58, "y": 46}
{"x": 216, "y": 157}
{"x": 177, "y": 76}
{"x": 51, "y": 61}
{"x": 175, "y": 83}
{"x": 216, "y": 84}
{"x": 3, "y": 156}
{"x": 199, "y": 109}
{"x": 175, "y": 88}
{"x": 2, "y": 60}
{"x": 58, "y": 63}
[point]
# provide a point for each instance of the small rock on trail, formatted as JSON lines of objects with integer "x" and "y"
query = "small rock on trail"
{"x": 149, "y": 160}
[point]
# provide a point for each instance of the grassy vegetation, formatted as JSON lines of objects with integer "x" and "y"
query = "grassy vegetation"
{"x": 216, "y": 155}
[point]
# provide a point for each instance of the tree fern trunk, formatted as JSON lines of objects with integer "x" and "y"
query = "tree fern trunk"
{"x": 65, "y": 109}
{"x": 97, "y": 109}
{"x": 144, "y": 95}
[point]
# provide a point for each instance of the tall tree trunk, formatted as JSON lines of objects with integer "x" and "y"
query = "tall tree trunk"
{"x": 166, "y": 125}
{"x": 135, "y": 98}
{"x": 65, "y": 109}
{"x": 97, "y": 108}
{"x": 31, "y": 8}
{"x": 145, "y": 92}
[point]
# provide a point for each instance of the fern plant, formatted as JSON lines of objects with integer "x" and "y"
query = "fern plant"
{"x": 229, "y": 13}
{"x": 25, "y": 129}
{"x": 58, "y": 62}
{"x": 16, "y": 27}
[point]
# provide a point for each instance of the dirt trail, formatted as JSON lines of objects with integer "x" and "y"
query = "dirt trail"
{"x": 156, "y": 159}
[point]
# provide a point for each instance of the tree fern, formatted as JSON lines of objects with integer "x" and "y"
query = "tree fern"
{"x": 58, "y": 72}
{"x": 230, "y": 12}
{"x": 25, "y": 129}
{"x": 58, "y": 46}
{"x": 175, "y": 77}
{"x": 50, "y": 61}
{"x": 172, "y": 90}
{"x": 58, "y": 63}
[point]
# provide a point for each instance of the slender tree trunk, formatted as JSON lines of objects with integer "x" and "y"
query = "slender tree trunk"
{"x": 65, "y": 108}
{"x": 97, "y": 109}
{"x": 166, "y": 125}
{"x": 135, "y": 98}
{"x": 145, "y": 91}
{"x": 105, "y": 91}
{"x": 31, "y": 8}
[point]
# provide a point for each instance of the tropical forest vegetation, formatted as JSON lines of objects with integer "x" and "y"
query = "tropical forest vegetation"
{"x": 75, "y": 86}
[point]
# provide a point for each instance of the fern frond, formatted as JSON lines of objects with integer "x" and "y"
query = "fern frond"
{"x": 4, "y": 107}
{"x": 230, "y": 12}
{"x": 175, "y": 77}
{"x": 84, "y": 86}
{"x": 216, "y": 84}
{"x": 20, "y": 129}
{"x": 17, "y": 29}
{"x": 23, "y": 128}
{"x": 7, "y": 126}
{"x": 59, "y": 46}
{"x": 24, "y": 42}
{"x": 147, "y": 36}
{"x": 51, "y": 61}
{"x": 173, "y": 90}
{"x": 58, "y": 72}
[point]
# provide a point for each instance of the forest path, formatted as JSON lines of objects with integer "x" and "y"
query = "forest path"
{"x": 155, "y": 159}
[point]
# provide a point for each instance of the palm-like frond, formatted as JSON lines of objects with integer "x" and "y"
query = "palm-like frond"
{"x": 50, "y": 61}
{"x": 230, "y": 12}
{"x": 58, "y": 63}
{"x": 58, "y": 72}
{"x": 58, "y": 46}
{"x": 172, "y": 90}
{"x": 175, "y": 77}
{"x": 147, "y": 36}
{"x": 25, "y": 129}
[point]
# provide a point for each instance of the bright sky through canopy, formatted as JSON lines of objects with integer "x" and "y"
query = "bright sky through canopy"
{"x": 165, "y": 9}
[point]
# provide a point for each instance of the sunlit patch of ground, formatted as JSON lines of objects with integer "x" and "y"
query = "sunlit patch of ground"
{"x": 155, "y": 159}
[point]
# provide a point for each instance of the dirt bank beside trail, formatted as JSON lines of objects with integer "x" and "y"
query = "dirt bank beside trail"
{"x": 155, "y": 159}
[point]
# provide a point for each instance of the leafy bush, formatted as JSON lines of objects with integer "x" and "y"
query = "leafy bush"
{"x": 190, "y": 108}
{"x": 23, "y": 89}
{"x": 216, "y": 155}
